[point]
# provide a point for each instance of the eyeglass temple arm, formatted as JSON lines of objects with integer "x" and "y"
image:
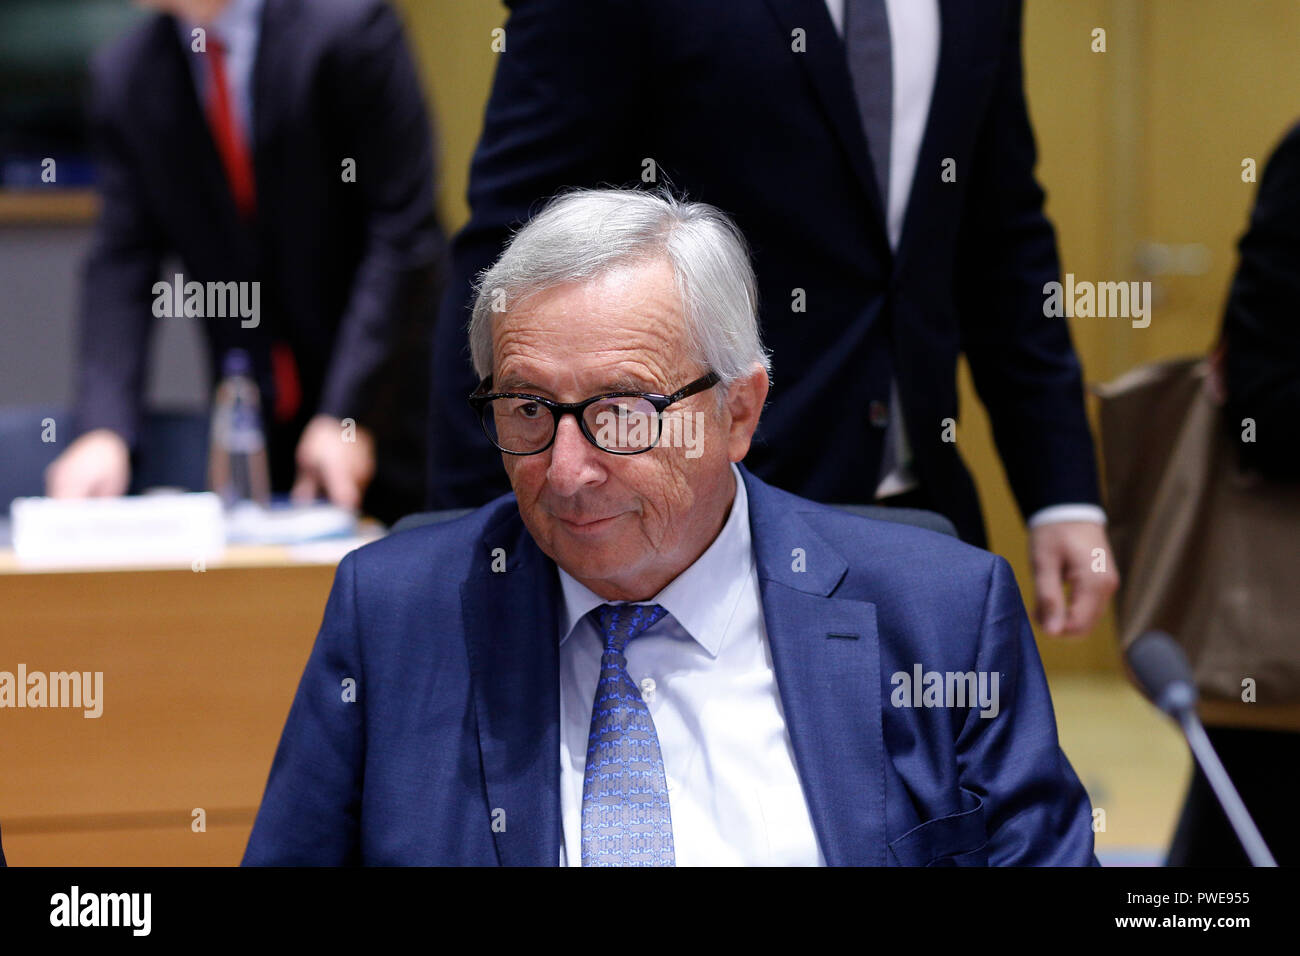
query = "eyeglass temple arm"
{"x": 699, "y": 385}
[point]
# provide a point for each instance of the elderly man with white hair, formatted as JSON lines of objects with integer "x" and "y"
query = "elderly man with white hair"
{"x": 644, "y": 655}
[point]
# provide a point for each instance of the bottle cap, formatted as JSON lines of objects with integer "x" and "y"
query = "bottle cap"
{"x": 236, "y": 362}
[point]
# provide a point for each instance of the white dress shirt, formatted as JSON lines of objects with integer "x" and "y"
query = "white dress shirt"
{"x": 706, "y": 675}
{"x": 238, "y": 26}
{"x": 915, "y": 27}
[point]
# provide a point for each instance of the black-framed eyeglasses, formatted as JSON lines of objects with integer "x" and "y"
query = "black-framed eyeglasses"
{"x": 621, "y": 423}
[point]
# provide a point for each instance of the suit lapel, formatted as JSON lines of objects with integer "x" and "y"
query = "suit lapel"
{"x": 182, "y": 106}
{"x": 271, "y": 64}
{"x": 184, "y": 121}
{"x": 826, "y": 654}
{"x": 825, "y": 651}
{"x": 827, "y": 68}
{"x": 512, "y": 635}
{"x": 960, "y": 36}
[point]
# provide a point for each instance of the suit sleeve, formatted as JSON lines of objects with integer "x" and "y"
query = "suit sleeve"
{"x": 311, "y": 811}
{"x": 1023, "y": 363}
{"x": 1036, "y": 812}
{"x": 116, "y": 311}
{"x": 375, "y": 93}
{"x": 563, "y": 105}
{"x": 1260, "y": 324}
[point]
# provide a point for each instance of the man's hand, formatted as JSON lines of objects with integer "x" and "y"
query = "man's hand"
{"x": 96, "y": 465}
{"x": 328, "y": 463}
{"x": 1077, "y": 554}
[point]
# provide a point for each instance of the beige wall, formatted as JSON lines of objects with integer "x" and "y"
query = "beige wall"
{"x": 451, "y": 39}
{"x": 1141, "y": 142}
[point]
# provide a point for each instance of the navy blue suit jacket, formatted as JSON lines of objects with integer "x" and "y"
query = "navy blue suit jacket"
{"x": 456, "y": 711}
{"x": 730, "y": 114}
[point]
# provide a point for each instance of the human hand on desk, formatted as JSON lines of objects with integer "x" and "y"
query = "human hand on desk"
{"x": 329, "y": 464}
{"x": 96, "y": 465}
{"x": 1062, "y": 553}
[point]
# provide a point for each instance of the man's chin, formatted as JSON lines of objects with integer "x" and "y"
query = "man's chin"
{"x": 587, "y": 559}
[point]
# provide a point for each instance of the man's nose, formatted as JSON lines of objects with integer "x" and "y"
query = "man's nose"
{"x": 575, "y": 462}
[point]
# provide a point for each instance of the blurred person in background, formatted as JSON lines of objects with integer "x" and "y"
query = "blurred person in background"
{"x": 1256, "y": 373}
{"x": 284, "y": 143}
{"x": 878, "y": 156}
{"x": 1261, "y": 330}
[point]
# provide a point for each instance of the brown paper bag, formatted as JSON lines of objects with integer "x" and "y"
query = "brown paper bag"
{"x": 1206, "y": 551}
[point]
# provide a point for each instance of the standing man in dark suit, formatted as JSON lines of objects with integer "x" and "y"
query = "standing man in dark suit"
{"x": 878, "y": 156}
{"x": 283, "y": 143}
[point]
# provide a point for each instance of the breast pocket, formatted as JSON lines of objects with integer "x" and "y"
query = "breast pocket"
{"x": 958, "y": 839}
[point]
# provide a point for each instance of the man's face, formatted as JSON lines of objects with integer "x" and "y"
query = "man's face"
{"x": 624, "y": 525}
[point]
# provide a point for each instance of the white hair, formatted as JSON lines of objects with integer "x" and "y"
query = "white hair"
{"x": 581, "y": 234}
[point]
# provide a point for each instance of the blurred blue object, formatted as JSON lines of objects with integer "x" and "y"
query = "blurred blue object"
{"x": 24, "y": 172}
{"x": 173, "y": 450}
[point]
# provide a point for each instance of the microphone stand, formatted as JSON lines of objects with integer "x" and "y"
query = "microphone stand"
{"x": 1251, "y": 839}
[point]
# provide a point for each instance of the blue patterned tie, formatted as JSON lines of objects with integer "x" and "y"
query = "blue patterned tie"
{"x": 625, "y": 814}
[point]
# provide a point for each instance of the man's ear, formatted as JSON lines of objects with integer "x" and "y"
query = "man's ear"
{"x": 745, "y": 398}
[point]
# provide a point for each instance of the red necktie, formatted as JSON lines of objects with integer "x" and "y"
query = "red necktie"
{"x": 288, "y": 394}
{"x": 237, "y": 159}
{"x": 229, "y": 138}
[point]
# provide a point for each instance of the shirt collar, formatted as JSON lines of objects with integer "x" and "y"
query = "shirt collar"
{"x": 703, "y": 598}
{"x": 239, "y": 19}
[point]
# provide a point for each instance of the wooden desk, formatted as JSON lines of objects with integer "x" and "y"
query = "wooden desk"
{"x": 199, "y": 670}
{"x": 47, "y": 205}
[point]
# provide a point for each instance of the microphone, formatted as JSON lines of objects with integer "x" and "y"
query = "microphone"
{"x": 1165, "y": 677}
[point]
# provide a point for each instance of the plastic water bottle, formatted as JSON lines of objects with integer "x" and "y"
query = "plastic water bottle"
{"x": 237, "y": 463}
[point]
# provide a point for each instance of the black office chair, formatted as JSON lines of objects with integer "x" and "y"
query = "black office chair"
{"x": 172, "y": 452}
{"x": 917, "y": 517}
{"x": 930, "y": 520}
{"x": 421, "y": 518}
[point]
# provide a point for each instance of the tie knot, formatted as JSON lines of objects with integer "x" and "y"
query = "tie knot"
{"x": 619, "y": 623}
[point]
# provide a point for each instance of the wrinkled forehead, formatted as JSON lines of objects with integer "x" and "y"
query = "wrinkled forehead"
{"x": 623, "y": 328}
